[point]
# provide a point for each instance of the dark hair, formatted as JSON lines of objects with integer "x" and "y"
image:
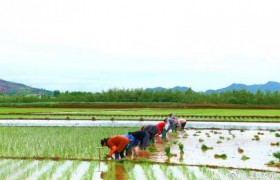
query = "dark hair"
{"x": 104, "y": 140}
{"x": 165, "y": 120}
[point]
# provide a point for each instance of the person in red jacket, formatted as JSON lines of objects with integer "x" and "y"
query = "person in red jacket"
{"x": 117, "y": 145}
{"x": 161, "y": 130}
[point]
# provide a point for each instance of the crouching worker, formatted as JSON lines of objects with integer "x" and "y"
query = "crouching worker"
{"x": 182, "y": 123}
{"x": 152, "y": 130}
{"x": 117, "y": 145}
{"x": 173, "y": 123}
{"x": 130, "y": 144}
{"x": 161, "y": 130}
{"x": 142, "y": 137}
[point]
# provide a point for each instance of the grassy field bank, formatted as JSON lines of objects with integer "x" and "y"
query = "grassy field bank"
{"x": 239, "y": 115}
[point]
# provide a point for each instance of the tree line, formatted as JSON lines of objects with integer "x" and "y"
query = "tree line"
{"x": 241, "y": 97}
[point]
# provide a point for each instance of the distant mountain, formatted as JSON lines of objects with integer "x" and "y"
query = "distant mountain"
{"x": 269, "y": 86}
{"x": 7, "y": 87}
{"x": 176, "y": 88}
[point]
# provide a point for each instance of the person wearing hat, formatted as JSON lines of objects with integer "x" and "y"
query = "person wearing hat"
{"x": 117, "y": 145}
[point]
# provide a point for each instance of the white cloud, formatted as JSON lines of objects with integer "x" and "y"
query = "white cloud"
{"x": 204, "y": 44}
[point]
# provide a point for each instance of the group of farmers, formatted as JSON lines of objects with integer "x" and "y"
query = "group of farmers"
{"x": 120, "y": 145}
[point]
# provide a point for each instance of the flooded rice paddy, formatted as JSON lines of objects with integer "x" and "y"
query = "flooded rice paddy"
{"x": 28, "y": 169}
{"x": 235, "y": 144}
{"x": 246, "y": 150}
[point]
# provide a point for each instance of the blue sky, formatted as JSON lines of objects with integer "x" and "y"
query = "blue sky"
{"x": 97, "y": 45}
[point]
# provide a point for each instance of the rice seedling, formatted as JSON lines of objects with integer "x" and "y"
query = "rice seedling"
{"x": 185, "y": 136}
{"x": 167, "y": 151}
{"x": 32, "y": 170}
{"x": 49, "y": 173}
{"x": 221, "y": 156}
{"x": 205, "y": 148}
{"x": 216, "y": 132}
{"x": 200, "y": 140}
{"x": 271, "y": 163}
{"x": 12, "y": 170}
{"x": 275, "y": 144}
{"x": 89, "y": 173}
{"x": 256, "y": 138}
{"x": 271, "y": 130}
{"x": 167, "y": 171}
{"x": 277, "y": 155}
{"x": 181, "y": 147}
{"x": 222, "y": 137}
{"x": 240, "y": 150}
{"x": 244, "y": 158}
{"x": 129, "y": 169}
{"x": 219, "y": 142}
{"x": 277, "y": 135}
{"x": 149, "y": 173}
{"x": 187, "y": 173}
{"x": 55, "y": 142}
{"x": 68, "y": 173}
{"x": 152, "y": 149}
{"x": 208, "y": 173}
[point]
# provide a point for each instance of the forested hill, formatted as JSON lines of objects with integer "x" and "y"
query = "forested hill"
{"x": 269, "y": 86}
{"x": 19, "y": 93}
{"x": 7, "y": 87}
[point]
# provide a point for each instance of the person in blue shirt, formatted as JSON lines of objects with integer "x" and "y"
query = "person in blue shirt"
{"x": 130, "y": 144}
{"x": 141, "y": 137}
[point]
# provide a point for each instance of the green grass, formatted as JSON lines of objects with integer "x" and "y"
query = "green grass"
{"x": 149, "y": 111}
{"x": 243, "y": 115}
{"x": 63, "y": 142}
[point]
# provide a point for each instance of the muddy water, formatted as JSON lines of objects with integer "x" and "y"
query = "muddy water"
{"x": 259, "y": 151}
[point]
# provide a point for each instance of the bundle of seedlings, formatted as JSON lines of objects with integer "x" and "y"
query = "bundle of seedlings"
{"x": 205, "y": 148}
{"x": 181, "y": 147}
{"x": 221, "y": 156}
{"x": 244, "y": 158}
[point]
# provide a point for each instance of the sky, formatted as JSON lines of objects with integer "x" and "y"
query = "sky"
{"x": 92, "y": 45}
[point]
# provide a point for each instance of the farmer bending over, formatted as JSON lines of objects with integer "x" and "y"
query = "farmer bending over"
{"x": 117, "y": 145}
{"x": 161, "y": 129}
{"x": 152, "y": 129}
{"x": 182, "y": 123}
{"x": 130, "y": 144}
{"x": 142, "y": 137}
{"x": 173, "y": 122}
